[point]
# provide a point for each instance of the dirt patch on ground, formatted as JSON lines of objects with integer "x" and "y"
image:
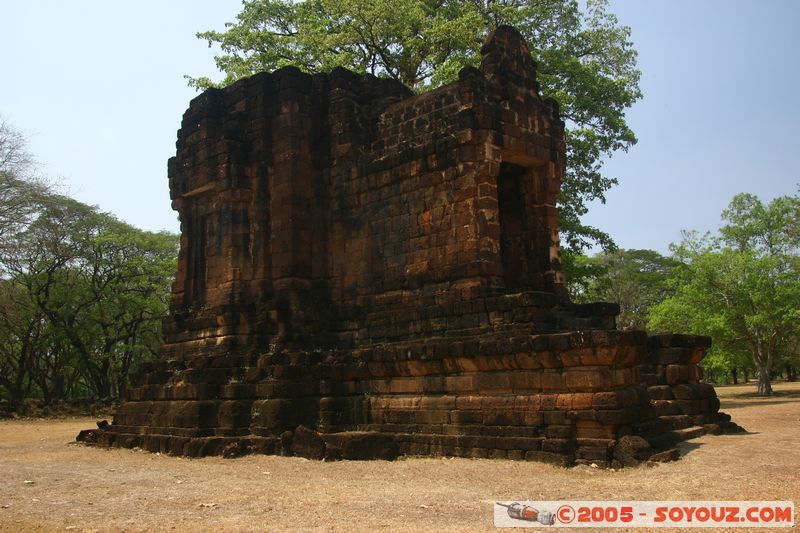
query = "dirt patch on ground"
{"x": 49, "y": 483}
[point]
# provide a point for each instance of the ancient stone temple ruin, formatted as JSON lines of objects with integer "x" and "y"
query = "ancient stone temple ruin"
{"x": 365, "y": 272}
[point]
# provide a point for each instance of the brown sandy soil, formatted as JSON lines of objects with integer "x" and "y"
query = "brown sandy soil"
{"x": 48, "y": 483}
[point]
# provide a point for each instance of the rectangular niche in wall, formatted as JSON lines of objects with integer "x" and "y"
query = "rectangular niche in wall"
{"x": 514, "y": 234}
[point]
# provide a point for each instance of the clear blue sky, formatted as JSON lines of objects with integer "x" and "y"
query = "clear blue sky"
{"x": 720, "y": 115}
{"x": 99, "y": 89}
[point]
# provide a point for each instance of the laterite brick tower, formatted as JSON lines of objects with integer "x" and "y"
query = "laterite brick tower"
{"x": 364, "y": 271}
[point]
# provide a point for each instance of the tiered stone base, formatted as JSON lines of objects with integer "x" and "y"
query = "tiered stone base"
{"x": 560, "y": 398}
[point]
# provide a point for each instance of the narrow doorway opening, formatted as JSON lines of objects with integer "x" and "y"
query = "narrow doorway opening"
{"x": 513, "y": 230}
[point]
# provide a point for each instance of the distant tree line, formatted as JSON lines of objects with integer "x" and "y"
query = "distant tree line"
{"x": 741, "y": 287}
{"x": 82, "y": 294}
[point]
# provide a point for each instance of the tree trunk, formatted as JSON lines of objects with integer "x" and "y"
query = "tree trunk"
{"x": 746, "y": 375}
{"x": 46, "y": 396}
{"x": 791, "y": 375}
{"x": 764, "y": 386}
{"x": 104, "y": 384}
{"x": 734, "y": 376}
{"x": 15, "y": 398}
{"x": 122, "y": 389}
{"x": 58, "y": 386}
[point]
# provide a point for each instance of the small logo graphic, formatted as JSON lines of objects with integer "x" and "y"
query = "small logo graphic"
{"x": 518, "y": 511}
{"x": 565, "y": 514}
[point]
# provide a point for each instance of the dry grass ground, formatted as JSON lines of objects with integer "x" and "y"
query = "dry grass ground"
{"x": 48, "y": 483}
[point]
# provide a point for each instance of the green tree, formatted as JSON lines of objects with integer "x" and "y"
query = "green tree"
{"x": 742, "y": 288}
{"x": 82, "y": 295}
{"x": 636, "y": 279}
{"x": 128, "y": 275}
{"x": 583, "y": 272}
{"x": 791, "y": 356}
{"x": 585, "y": 60}
{"x": 102, "y": 286}
{"x": 22, "y": 330}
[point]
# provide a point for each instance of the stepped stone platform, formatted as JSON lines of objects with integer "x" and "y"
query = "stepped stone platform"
{"x": 365, "y": 272}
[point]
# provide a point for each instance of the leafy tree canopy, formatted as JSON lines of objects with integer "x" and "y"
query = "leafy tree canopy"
{"x": 636, "y": 279}
{"x": 82, "y": 294}
{"x": 585, "y": 60}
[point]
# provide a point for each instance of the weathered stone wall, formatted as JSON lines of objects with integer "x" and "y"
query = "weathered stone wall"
{"x": 363, "y": 269}
{"x": 324, "y": 205}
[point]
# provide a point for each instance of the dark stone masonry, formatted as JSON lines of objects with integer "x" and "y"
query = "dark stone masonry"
{"x": 365, "y": 272}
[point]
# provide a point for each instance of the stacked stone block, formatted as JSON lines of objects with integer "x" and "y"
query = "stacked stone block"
{"x": 674, "y": 383}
